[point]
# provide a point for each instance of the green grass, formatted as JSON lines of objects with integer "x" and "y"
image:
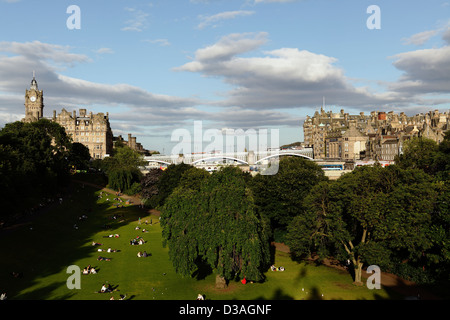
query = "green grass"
{"x": 44, "y": 253}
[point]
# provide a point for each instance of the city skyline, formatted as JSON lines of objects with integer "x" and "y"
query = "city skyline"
{"x": 157, "y": 66}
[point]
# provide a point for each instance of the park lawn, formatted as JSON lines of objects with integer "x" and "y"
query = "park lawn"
{"x": 44, "y": 248}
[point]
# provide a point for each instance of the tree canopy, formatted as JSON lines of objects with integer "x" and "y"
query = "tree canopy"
{"x": 35, "y": 160}
{"x": 122, "y": 169}
{"x": 280, "y": 197}
{"x": 212, "y": 219}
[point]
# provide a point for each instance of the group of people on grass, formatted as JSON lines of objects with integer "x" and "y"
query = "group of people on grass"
{"x": 143, "y": 254}
{"x": 89, "y": 270}
{"x": 273, "y": 268}
{"x": 136, "y": 241}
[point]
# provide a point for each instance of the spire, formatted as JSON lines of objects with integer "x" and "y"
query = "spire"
{"x": 34, "y": 82}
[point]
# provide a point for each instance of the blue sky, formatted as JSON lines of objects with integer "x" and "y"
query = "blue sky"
{"x": 157, "y": 66}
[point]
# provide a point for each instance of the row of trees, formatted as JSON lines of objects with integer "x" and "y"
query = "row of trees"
{"x": 225, "y": 220}
{"x": 395, "y": 217}
{"x": 35, "y": 163}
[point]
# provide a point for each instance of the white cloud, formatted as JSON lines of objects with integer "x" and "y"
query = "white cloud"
{"x": 227, "y": 15}
{"x": 160, "y": 42}
{"x": 446, "y": 36}
{"x": 43, "y": 51}
{"x": 269, "y": 1}
{"x": 420, "y": 38}
{"x": 281, "y": 78}
{"x": 425, "y": 71}
{"x": 105, "y": 51}
{"x": 138, "y": 22}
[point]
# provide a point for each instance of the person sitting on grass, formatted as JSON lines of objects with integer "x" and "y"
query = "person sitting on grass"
{"x": 139, "y": 254}
{"x": 93, "y": 271}
{"x": 85, "y": 271}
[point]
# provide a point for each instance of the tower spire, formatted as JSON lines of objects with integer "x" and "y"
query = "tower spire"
{"x": 34, "y": 82}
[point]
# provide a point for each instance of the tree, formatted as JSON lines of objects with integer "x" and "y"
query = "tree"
{"x": 418, "y": 153}
{"x": 169, "y": 181}
{"x": 34, "y": 160}
{"x": 369, "y": 216}
{"x": 122, "y": 169}
{"x": 149, "y": 187}
{"x": 214, "y": 221}
{"x": 280, "y": 197}
{"x": 442, "y": 159}
{"x": 79, "y": 156}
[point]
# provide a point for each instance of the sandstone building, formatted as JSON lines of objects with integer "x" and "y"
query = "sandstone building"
{"x": 376, "y": 136}
{"x": 92, "y": 130}
{"x": 132, "y": 144}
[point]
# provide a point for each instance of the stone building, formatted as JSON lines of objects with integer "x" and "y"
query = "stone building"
{"x": 132, "y": 144}
{"x": 383, "y": 133}
{"x": 345, "y": 143}
{"x": 92, "y": 130}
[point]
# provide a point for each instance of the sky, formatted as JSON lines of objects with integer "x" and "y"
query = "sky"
{"x": 158, "y": 66}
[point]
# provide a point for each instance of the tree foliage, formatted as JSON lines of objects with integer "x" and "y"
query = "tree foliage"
{"x": 213, "y": 219}
{"x": 122, "y": 169}
{"x": 35, "y": 160}
{"x": 168, "y": 182}
{"x": 280, "y": 197}
{"x": 372, "y": 215}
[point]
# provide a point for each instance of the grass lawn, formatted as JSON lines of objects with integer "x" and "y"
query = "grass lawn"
{"x": 43, "y": 249}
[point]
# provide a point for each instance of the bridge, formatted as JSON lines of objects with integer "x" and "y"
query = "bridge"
{"x": 249, "y": 158}
{"x": 258, "y": 160}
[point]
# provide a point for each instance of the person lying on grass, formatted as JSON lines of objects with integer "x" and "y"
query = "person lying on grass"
{"x": 103, "y": 259}
{"x": 107, "y": 288}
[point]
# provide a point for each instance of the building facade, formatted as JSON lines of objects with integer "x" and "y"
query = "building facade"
{"x": 132, "y": 144}
{"x": 92, "y": 130}
{"x": 376, "y": 136}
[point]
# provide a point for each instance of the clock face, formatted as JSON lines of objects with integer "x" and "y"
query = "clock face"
{"x": 33, "y": 98}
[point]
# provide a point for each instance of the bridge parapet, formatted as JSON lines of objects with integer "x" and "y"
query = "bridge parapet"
{"x": 248, "y": 158}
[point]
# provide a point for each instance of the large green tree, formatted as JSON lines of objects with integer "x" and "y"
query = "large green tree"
{"x": 33, "y": 162}
{"x": 280, "y": 197}
{"x": 149, "y": 188}
{"x": 168, "y": 181}
{"x": 79, "y": 156}
{"x": 369, "y": 216}
{"x": 213, "y": 219}
{"x": 123, "y": 169}
{"x": 418, "y": 153}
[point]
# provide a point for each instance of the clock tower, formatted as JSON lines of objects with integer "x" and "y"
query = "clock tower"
{"x": 34, "y": 102}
